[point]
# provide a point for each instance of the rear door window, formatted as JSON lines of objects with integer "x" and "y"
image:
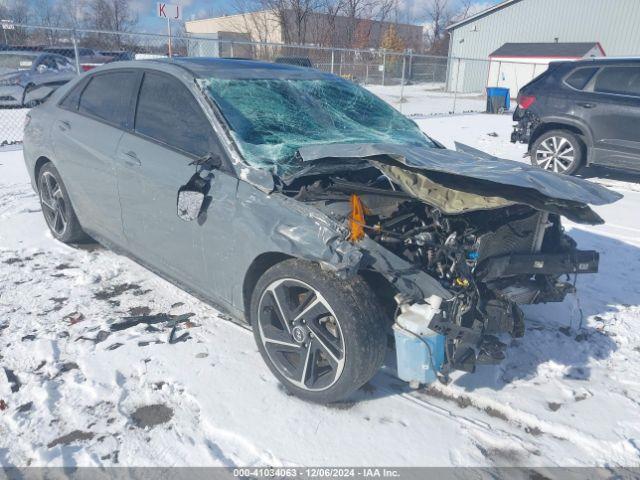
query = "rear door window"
{"x": 580, "y": 77}
{"x": 168, "y": 112}
{"x": 108, "y": 97}
{"x": 619, "y": 80}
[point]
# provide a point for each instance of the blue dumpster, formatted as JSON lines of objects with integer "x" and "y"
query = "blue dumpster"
{"x": 498, "y": 100}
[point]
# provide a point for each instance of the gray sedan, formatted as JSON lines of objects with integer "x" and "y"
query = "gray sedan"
{"x": 306, "y": 206}
{"x": 28, "y": 77}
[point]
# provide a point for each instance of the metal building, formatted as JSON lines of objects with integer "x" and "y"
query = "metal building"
{"x": 614, "y": 24}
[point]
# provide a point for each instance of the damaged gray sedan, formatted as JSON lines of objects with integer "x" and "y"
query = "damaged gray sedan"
{"x": 306, "y": 206}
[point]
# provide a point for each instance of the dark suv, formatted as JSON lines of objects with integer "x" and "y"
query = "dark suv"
{"x": 582, "y": 113}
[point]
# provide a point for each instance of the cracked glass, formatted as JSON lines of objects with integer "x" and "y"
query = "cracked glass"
{"x": 270, "y": 119}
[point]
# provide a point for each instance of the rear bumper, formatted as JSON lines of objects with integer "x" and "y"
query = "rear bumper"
{"x": 577, "y": 261}
{"x": 527, "y": 123}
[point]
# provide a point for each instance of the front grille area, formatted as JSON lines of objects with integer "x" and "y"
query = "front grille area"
{"x": 519, "y": 236}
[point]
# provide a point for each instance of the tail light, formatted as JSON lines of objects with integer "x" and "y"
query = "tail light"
{"x": 86, "y": 68}
{"x": 525, "y": 101}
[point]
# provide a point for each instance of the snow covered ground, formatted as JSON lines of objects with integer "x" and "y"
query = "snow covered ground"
{"x": 422, "y": 100}
{"x": 78, "y": 389}
{"x": 11, "y": 124}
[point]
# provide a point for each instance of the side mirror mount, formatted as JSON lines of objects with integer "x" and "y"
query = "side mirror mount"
{"x": 192, "y": 197}
{"x": 41, "y": 68}
{"x": 189, "y": 204}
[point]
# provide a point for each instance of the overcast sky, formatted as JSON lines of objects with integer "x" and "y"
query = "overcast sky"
{"x": 414, "y": 9}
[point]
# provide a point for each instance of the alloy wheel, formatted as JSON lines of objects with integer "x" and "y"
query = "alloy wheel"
{"x": 555, "y": 154}
{"x": 53, "y": 204}
{"x": 301, "y": 334}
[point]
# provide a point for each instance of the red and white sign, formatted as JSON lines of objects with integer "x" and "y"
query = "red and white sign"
{"x": 169, "y": 11}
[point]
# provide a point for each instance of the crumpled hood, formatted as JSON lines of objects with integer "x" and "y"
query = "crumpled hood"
{"x": 480, "y": 174}
{"x": 487, "y": 168}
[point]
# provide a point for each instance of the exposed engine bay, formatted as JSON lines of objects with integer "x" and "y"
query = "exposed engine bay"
{"x": 491, "y": 259}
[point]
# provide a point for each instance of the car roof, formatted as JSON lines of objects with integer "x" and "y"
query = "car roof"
{"x": 607, "y": 60}
{"x": 227, "y": 68}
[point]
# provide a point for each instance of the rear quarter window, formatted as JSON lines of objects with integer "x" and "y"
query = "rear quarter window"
{"x": 579, "y": 78}
{"x": 72, "y": 98}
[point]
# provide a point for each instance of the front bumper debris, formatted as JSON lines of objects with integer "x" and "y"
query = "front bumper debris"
{"x": 471, "y": 331}
{"x": 578, "y": 261}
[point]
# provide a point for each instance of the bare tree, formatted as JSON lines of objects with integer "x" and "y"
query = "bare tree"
{"x": 357, "y": 11}
{"x": 293, "y": 16}
{"x": 111, "y": 15}
{"x": 252, "y": 20}
{"x": 114, "y": 15}
{"x": 73, "y": 12}
{"x": 18, "y": 12}
{"x": 439, "y": 13}
{"x": 324, "y": 27}
{"x": 47, "y": 14}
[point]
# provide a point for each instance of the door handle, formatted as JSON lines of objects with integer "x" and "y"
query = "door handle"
{"x": 587, "y": 105}
{"x": 64, "y": 125}
{"x": 131, "y": 159}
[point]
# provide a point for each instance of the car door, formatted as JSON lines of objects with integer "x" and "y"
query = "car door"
{"x": 613, "y": 110}
{"x": 153, "y": 162}
{"x": 91, "y": 121}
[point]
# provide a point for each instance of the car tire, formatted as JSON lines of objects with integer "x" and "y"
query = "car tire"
{"x": 56, "y": 206}
{"x": 558, "y": 151}
{"x": 336, "y": 338}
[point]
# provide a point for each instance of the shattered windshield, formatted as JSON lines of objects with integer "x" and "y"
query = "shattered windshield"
{"x": 271, "y": 119}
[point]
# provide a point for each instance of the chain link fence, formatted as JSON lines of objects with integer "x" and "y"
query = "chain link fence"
{"x": 418, "y": 85}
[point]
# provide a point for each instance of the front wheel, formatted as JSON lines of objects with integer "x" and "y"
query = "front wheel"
{"x": 558, "y": 151}
{"x": 322, "y": 337}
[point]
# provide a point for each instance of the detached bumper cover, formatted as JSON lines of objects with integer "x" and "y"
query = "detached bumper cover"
{"x": 578, "y": 261}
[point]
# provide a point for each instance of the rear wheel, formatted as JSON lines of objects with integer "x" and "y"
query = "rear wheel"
{"x": 322, "y": 337}
{"x": 558, "y": 151}
{"x": 56, "y": 206}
